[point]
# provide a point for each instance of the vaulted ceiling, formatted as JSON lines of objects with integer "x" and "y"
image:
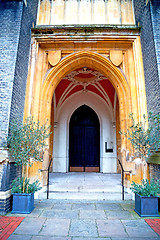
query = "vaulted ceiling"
{"x": 85, "y": 80}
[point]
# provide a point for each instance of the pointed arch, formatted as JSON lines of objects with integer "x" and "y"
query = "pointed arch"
{"x": 90, "y": 60}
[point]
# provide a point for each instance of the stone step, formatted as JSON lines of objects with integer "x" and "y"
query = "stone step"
{"x": 84, "y": 195}
{"x": 85, "y": 189}
{"x": 85, "y": 186}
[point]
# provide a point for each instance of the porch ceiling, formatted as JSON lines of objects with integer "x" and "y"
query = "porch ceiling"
{"x": 86, "y": 80}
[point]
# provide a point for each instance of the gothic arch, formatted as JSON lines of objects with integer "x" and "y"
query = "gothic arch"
{"x": 85, "y": 59}
{"x": 79, "y": 60}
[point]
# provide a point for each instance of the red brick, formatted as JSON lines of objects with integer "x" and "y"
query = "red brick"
{"x": 154, "y": 224}
{"x": 8, "y": 225}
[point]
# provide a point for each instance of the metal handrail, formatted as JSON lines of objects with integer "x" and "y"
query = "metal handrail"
{"x": 48, "y": 178}
{"x": 123, "y": 171}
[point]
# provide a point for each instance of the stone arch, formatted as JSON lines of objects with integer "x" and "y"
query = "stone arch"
{"x": 91, "y": 60}
{"x": 85, "y": 59}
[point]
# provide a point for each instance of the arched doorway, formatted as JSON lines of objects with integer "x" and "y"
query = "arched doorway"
{"x": 84, "y": 140}
{"x": 127, "y": 80}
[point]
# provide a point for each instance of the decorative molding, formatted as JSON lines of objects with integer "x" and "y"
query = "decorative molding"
{"x": 116, "y": 57}
{"x": 80, "y": 81}
{"x": 54, "y": 57}
{"x": 75, "y": 81}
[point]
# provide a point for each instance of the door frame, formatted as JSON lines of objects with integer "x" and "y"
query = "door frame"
{"x": 82, "y": 128}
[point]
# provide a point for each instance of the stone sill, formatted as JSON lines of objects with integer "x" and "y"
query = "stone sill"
{"x": 5, "y": 194}
{"x": 90, "y": 28}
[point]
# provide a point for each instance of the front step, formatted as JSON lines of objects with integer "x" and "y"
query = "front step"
{"x": 89, "y": 186}
{"x": 88, "y": 195}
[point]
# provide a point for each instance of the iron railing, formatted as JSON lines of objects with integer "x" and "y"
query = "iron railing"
{"x": 48, "y": 178}
{"x": 47, "y": 170}
{"x": 123, "y": 171}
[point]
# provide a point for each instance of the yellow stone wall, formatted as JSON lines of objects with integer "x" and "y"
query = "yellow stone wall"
{"x": 93, "y": 51}
{"x": 58, "y": 12}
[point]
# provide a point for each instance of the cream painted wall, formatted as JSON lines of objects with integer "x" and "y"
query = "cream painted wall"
{"x": 59, "y": 12}
{"x": 108, "y": 161}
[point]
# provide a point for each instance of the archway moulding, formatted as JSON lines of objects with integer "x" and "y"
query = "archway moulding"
{"x": 85, "y": 59}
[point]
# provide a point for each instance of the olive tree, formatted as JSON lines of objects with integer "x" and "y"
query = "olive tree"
{"x": 144, "y": 136}
{"x": 26, "y": 142}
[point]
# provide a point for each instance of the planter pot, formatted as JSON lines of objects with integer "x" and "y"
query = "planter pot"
{"x": 22, "y": 202}
{"x": 146, "y": 206}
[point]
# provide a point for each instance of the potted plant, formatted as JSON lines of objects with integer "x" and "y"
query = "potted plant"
{"x": 26, "y": 142}
{"x": 23, "y": 200}
{"x": 146, "y": 198}
{"x": 145, "y": 139}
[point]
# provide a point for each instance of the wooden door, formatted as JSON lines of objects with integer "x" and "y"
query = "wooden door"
{"x": 84, "y": 140}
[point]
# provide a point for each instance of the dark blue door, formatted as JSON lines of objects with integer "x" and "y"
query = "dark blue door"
{"x": 84, "y": 140}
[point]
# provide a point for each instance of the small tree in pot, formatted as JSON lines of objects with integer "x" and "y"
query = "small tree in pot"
{"x": 145, "y": 139}
{"x": 26, "y": 143}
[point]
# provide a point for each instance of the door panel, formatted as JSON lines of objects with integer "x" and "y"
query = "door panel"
{"x": 84, "y": 140}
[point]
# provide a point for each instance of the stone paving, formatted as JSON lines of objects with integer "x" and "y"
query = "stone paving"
{"x": 83, "y": 220}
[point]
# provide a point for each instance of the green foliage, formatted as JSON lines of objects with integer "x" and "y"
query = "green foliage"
{"x": 17, "y": 186}
{"x": 144, "y": 140}
{"x": 26, "y": 143}
{"x": 146, "y": 188}
{"x": 27, "y": 140}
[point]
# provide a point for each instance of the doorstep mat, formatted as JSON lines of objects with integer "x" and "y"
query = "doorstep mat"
{"x": 8, "y": 225}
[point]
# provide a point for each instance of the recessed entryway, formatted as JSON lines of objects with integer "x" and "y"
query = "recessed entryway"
{"x": 85, "y": 105}
{"x": 84, "y": 140}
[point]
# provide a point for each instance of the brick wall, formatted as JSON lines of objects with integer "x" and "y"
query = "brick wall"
{"x": 10, "y": 172}
{"x": 154, "y": 170}
{"x": 21, "y": 69}
{"x": 143, "y": 18}
{"x": 155, "y": 14}
{"x": 15, "y": 35}
{"x": 5, "y": 205}
{"x": 10, "y": 22}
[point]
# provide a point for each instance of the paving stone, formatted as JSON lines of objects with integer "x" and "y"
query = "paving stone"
{"x": 49, "y": 238}
{"x": 85, "y": 206}
{"x": 84, "y": 228}
{"x": 30, "y": 226}
{"x": 44, "y": 204}
{"x": 35, "y": 213}
{"x": 86, "y": 238}
{"x": 60, "y": 214}
{"x": 128, "y": 206}
{"x": 57, "y": 227}
{"x": 20, "y": 237}
{"x": 138, "y": 228}
{"x": 60, "y": 221}
{"x": 135, "y": 238}
{"x": 119, "y": 215}
{"x": 16, "y": 214}
{"x": 110, "y": 228}
{"x": 109, "y": 206}
{"x": 93, "y": 214}
{"x": 62, "y": 206}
